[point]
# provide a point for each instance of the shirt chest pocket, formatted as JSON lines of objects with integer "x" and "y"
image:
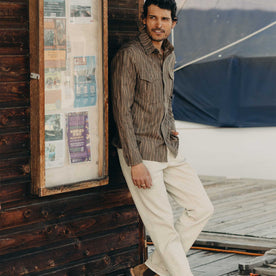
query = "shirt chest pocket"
{"x": 149, "y": 89}
{"x": 170, "y": 82}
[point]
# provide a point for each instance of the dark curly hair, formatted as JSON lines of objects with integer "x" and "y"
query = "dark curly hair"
{"x": 162, "y": 4}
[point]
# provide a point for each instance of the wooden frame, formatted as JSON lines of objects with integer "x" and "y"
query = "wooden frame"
{"x": 37, "y": 90}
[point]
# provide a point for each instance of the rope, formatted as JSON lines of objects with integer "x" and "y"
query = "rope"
{"x": 226, "y": 47}
{"x": 221, "y": 250}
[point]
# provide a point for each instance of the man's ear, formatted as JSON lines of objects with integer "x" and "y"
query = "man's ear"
{"x": 144, "y": 21}
{"x": 174, "y": 23}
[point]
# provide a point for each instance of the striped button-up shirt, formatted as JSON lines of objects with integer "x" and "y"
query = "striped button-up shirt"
{"x": 142, "y": 87}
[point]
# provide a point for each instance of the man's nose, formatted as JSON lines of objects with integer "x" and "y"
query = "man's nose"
{"x": 158, "y": 23}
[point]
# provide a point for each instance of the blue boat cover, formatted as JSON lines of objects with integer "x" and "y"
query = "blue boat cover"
{"x": 225, "y": 73}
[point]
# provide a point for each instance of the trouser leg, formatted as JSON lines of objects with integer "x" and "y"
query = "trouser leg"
{"x": 186, "y": 189}
{"x": 184, "y": 186}
{"x": 155, "y": 210}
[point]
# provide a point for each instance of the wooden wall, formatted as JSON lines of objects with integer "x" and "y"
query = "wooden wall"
{"x": 91, "y": 232}
{"x": 123, "y": 18}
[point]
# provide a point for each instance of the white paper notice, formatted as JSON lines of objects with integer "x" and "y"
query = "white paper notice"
{"x": 81, "y": 11}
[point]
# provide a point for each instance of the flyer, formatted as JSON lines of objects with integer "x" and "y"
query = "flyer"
{"x": 78, "y": 137}
{"x": 52, "y": 79}
{"x": 54, "y": 154}
{"x": 53, "y": 127}
{"x": 54, "y": 8}
{"x": 85, "y": 87}
{"x": 80, "y": 11}
{"x": 52, "y": 100}
{"x": 55, "y": 59}
{"x": 54, "y": 33}
{"x": 53, "y": 93}
{"x": 55, "y": 43}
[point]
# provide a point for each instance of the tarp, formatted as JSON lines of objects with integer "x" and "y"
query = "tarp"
{"x": 225, "y": 73}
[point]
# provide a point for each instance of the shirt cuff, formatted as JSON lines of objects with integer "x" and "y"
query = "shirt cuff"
{"x": 133, "y": 159}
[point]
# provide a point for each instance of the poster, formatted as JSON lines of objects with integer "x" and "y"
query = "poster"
{"x": 55, "y": 59}
{"x": 53, "y": 95}
{"x": 52, "y": 80}
{"x": 78, "y": 137}
{"x": 52, "y": 100}
{"x": 55, "y": 43}
{"x": 54, "y": 154}
{"x": 54, "y": 33}
{"x": 80, "y": 11}
{"x": 54, "y": 8}
{"x": 85, "y": 88}
{"x": 53, "y": 127}
{"x": 54, "y": 141}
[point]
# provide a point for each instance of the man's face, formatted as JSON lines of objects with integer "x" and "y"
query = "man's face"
{"x": 158, "y": 23}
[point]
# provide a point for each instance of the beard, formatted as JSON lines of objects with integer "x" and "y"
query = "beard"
{"x": 151, "y": 34}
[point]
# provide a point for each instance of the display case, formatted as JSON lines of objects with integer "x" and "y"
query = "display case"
{"x": 68, "y": 84}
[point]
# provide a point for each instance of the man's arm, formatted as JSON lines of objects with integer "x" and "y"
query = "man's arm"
{"x": 123, "y": 92}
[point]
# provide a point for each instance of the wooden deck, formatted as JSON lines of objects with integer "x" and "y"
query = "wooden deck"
{"x": 244, "y": 212}
{"x": 244, "y": 219}
{"x": 205, "y": 263}
{"x": 244, "y": 215}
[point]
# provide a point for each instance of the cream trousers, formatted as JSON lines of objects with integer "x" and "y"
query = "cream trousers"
{"x": 171, "y": 240}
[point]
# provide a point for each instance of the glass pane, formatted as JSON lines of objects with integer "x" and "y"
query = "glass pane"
{"x": 73, "y": 91}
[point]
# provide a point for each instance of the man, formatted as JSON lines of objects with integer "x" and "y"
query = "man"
{"x": 142, "y": 85}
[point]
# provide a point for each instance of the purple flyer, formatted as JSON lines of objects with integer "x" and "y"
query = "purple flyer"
{"x": 78, "y": 137}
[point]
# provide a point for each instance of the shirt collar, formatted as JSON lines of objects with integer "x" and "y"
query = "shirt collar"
{"x": 148, "y": 46}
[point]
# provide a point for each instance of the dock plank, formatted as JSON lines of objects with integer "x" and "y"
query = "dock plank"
{"x": 244, "y": 214}
{"x": 244, "y": 207}
{"x": 220, "y": 266}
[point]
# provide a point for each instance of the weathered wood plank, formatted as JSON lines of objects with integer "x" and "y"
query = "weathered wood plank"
{"x": 37, "y": 236}
{"x": 206, "y": 257}
{"x": 70, "y": 206}
{"x": 118, "y": 14}
{"x": 123, "y": 5}
{"x": 265, "y": 271}
{"x": 248, "y": 225}
{"x": 14, "y": 68}
{"x": 235, "y": 241}
{"x": 241, "y": 212}
{"x": 228, "y": 190}
{"x": 222, "y": 266}
{"x": 245, "y": 199}
{"x": 14, "y": 144}
{"x": 246, "y": 267}
{"x": 237, "y": 219}
{"x": 78, "y": 250}
{"x": 13, "y": 42}
{"x": 126, "y": 27}
{"x": 14, "y": 191}
{"x": 113, "y": 261}
{"x": 14, "y": 168}
{"x": 14, "y": 118}
{"x": 13, "y": 14}
{"x": 14, "y": 94}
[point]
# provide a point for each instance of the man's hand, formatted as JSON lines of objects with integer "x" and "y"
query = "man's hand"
{"x": 141, "y": 176}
